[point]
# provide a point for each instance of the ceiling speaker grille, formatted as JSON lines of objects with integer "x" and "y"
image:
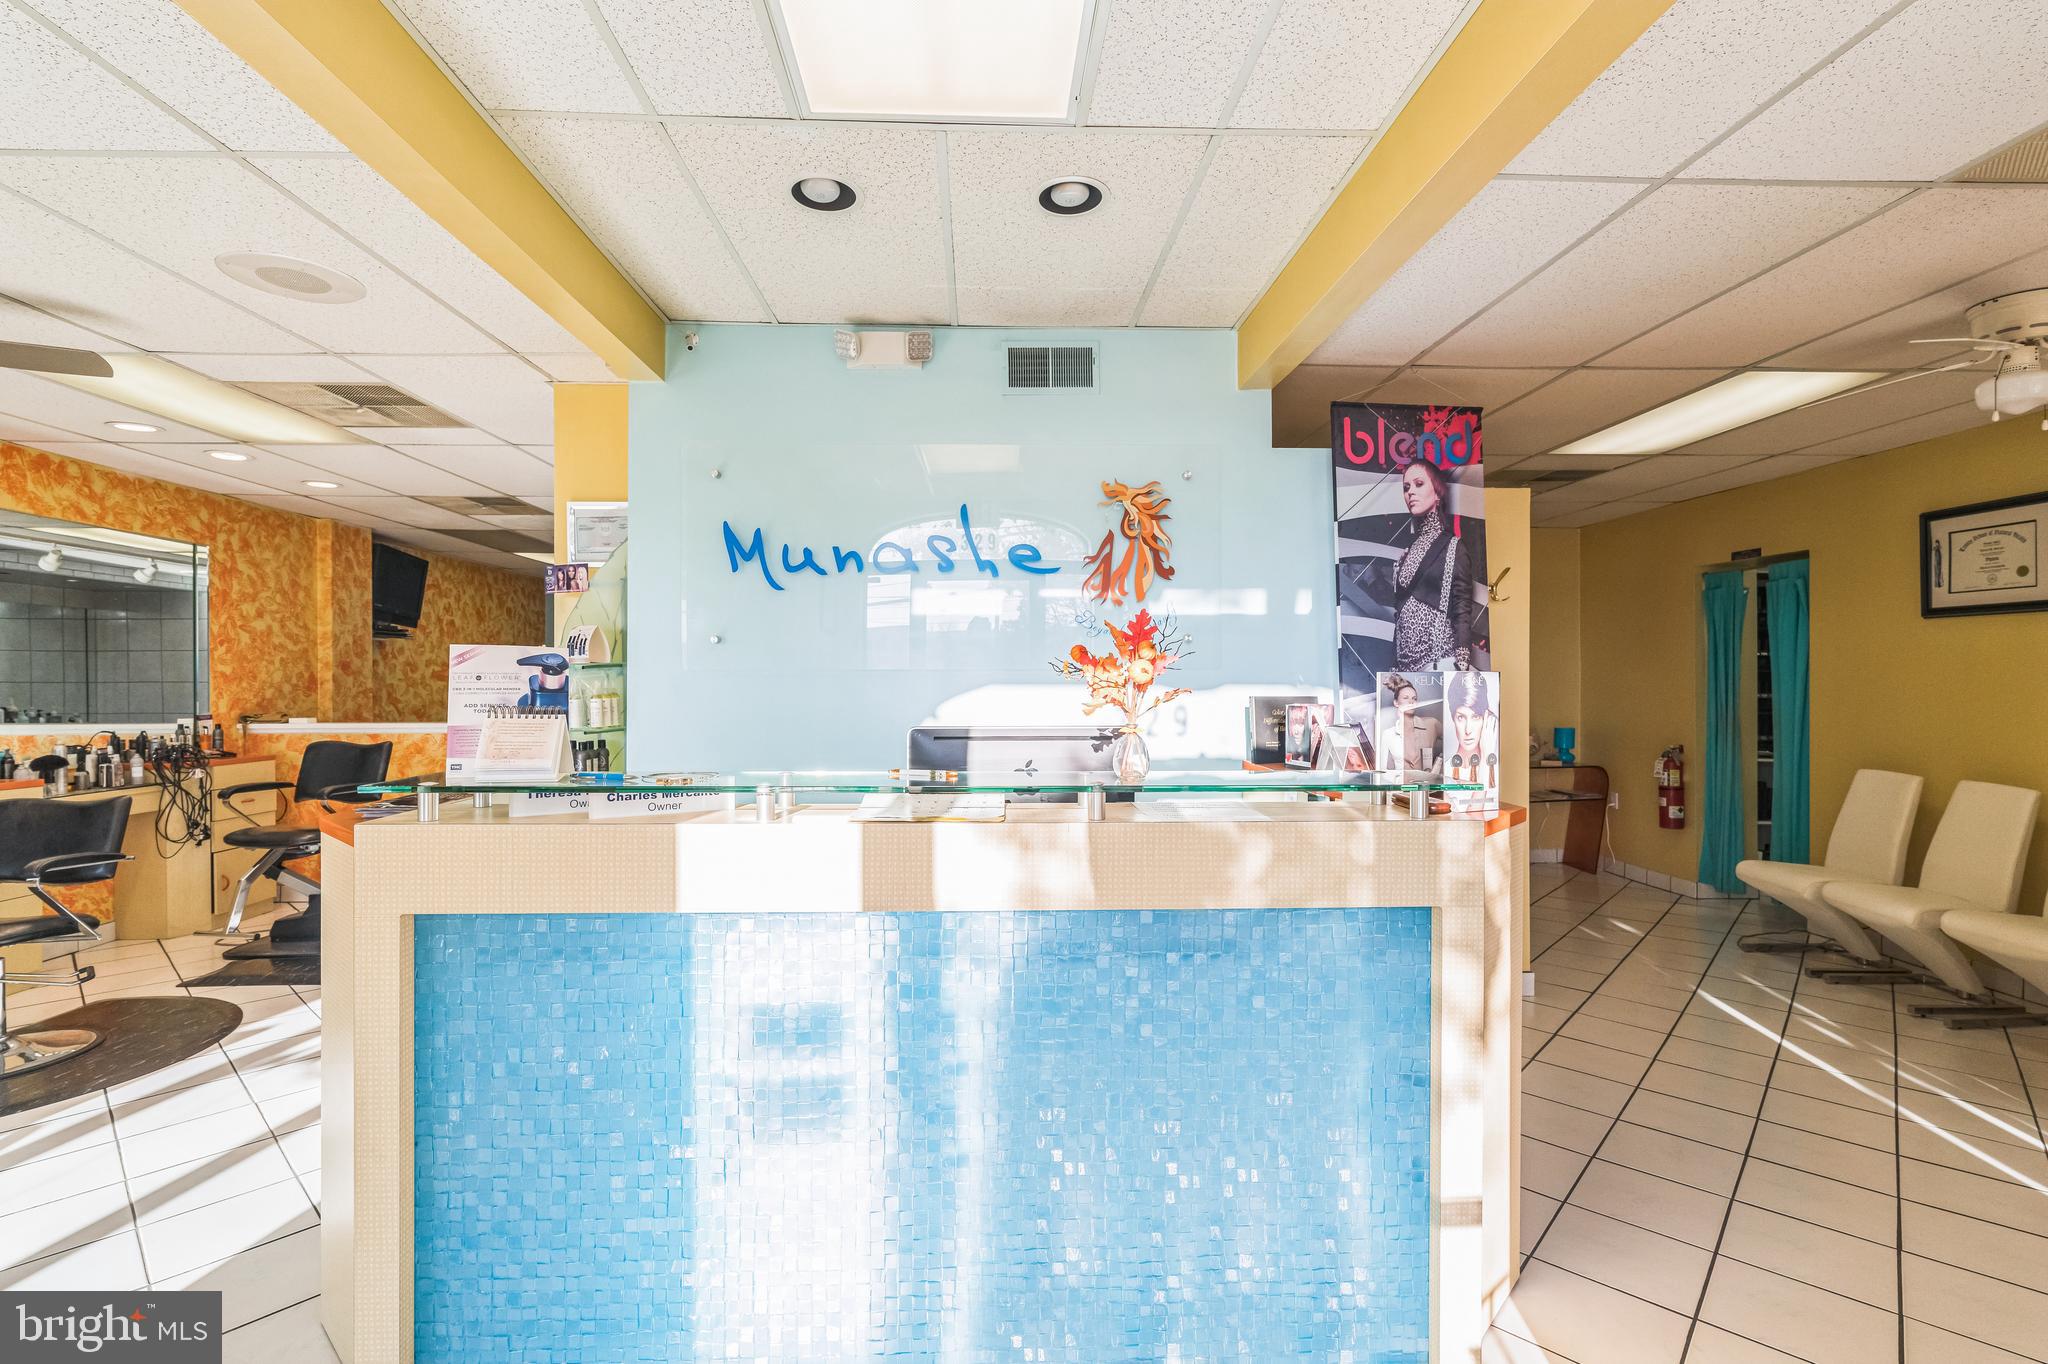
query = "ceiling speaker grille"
{"x": 1039, "y": 369}
{"x": 2023, "y": 163}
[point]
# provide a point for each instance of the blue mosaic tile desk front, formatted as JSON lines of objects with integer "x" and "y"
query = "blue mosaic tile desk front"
{"x": 1070, "y": 1137}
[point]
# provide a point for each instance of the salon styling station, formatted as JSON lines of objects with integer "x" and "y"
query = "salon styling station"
{"x": 1227, "y": 1070}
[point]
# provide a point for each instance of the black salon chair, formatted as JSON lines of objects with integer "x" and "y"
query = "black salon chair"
{"x": 330, "y": 771}
{"x": 44, "y": 843}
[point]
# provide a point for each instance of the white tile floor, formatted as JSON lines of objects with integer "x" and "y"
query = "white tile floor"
{"x": 203, "y": 1175}
{"x": 1725, "y": 1162}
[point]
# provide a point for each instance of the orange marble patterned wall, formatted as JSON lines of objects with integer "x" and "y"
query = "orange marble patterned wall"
{"x": 289, "y": 595}
{"x": 465, "y": 603}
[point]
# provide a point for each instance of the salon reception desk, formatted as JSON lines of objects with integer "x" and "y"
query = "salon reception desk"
{"x": 1198, "y": 1079}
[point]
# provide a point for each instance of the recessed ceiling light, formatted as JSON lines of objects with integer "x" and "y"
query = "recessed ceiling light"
{"x": 936, "y": 58}
{"x": 1733, "y": 402}
{"x": 321, "y": 483}
{"x": 140, "y": 428}
{"x": 1070, "y": 196}
{"x": 823, "y": 193}
{"x": 231, "y": 456}
{"x": 289, "y": 278}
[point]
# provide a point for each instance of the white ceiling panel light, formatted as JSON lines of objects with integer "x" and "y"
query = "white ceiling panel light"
{"x": 1735, "y": 401}
{"x": 154, "y": 385}
{"x": 936, "y": 59}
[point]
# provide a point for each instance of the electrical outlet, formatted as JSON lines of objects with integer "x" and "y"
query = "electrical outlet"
{"x": 1614, "y": 800}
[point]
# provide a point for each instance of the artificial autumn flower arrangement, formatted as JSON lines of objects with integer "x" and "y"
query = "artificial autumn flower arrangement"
{"x": 1124, "y": 679}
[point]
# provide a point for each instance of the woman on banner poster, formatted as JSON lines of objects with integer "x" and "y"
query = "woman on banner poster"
{"x": 1411, "y": 540}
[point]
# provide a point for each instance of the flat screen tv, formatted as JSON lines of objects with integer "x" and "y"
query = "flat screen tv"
{"x": 398, "y": 583}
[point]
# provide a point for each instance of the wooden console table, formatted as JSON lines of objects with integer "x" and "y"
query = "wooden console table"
{"x": 1584, "y": 788}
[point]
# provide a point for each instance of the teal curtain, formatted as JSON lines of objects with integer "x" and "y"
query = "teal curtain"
{"x": 1785, "y": 617}
{"x": 1726, "y": 600}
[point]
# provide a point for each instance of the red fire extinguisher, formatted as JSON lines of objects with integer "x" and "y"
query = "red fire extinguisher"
{"x": 1671, "y": 788}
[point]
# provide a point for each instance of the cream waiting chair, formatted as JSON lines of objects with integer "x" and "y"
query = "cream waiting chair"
{"x": 1975, "y": 862}
{"x": 1868, "y": 843}
{"x": 2018, "y": 942}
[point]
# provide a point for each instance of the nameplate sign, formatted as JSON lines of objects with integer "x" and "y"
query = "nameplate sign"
{"x": 526, "y": 803}
{"x": 634, "y": 804}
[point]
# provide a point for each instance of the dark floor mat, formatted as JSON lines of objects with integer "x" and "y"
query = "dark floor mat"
{"x": 262, "y": 971}
{"x": 137, "y": 1036}
{"x": 267, "y": 948}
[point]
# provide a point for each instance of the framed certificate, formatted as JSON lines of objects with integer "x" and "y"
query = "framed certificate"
{"x": 1983, "y": 558}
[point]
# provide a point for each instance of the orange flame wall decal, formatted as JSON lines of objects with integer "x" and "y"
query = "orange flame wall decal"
{"x": 1141, "y": 520}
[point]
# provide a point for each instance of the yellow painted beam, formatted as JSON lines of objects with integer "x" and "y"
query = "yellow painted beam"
{"x": 1512, "y": 69}
{"x": 360, "y": 74}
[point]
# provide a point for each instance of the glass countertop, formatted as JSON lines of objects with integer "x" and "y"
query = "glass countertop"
{"x": 901, "y": 781}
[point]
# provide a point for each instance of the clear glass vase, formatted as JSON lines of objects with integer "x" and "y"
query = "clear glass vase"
{"x": 1129, "y": 758}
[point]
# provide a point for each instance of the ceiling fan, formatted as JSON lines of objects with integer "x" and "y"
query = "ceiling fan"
{"x": 2011, "y": 329}
{"x": 54, "y": 360}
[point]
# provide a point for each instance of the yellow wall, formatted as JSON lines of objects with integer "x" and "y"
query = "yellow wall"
{"x": 1949, "y": 699}
{"x": 590, "y": 459}
{"x": 1553, "y": 586}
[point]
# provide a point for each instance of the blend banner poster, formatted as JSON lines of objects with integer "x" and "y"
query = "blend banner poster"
{"x": 1411, "y": 544}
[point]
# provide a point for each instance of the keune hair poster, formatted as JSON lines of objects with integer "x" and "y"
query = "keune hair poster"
{"x": 1411, "y": 540}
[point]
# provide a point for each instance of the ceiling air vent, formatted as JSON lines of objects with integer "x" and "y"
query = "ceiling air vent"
{"x": 491, "y": 505}
{"x": 378, "y": 405}
{"x": 1043, "y": 369}
{"x": 2023, "y": 163}
{"x": 1539, "y": 480}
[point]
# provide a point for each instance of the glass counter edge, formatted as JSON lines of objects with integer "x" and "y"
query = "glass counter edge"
{"x": 849, "y": 784}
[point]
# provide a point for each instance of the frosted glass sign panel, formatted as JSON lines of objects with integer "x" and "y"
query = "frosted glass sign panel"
{"x": 824, "y": 600}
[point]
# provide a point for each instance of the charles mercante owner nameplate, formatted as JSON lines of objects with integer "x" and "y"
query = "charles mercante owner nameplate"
{"x": 141, "y": 1327}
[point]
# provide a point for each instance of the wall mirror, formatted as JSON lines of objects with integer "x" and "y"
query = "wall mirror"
{"x": 99, "y": 626}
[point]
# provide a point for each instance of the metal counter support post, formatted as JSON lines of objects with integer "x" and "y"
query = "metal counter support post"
{"x": 430, "y": 805}
{"x": 764, "y": 804}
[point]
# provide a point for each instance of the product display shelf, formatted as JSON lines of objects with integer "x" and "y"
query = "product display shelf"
{"x": 597, "y": 689}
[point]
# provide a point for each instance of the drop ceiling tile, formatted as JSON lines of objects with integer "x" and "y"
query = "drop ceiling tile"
{"x": 883, "y": 260}
{"x": 624, "y": 182}
{"x": 1567, "y": 517}
{"x": 19, "y": 322}
{"x": 181, "y": 212}
{"x": 1741, "y": 476}
{"x": 1018, "y": 265}
{"x": 1171, "y": 63}
{"x": 1693, "y": 74}
{"x": 22, "y": 431}
{"x": 544, "y": 453}
{"x": 700, "y": 56}
{"x": 165, "y": 51}
{"x": 501, "y": 394}
{"x": 1256, "y": 200}
{"x": 59, "y": 405}
{"x": 1886, "y": 341}
{"x": 284, "y": 470}
{"x": 1844, "y": 416}
{"x": 503, "y": 469}
{"x": 1911, "y": 431}
{"x": 1939, "y": 85}
{"x": 1341, "y": 64}
{"x": 580, "y": 367}
{"x": 272, "y": 369}
{"x": 1678, "y": 246}
{"x": 1569, "y": 463}
{"x": 53, "y": 264}
{"x": 1301, "y": 401}
{"x": 1583, "y": 402}
{"x": 403, "y": 511}
{"x": 380, "y": 468}
{"x": 53, "y": 97}
{"x": 425, "y": 435}
{"x": 1648, "y": 480}
{"x": 537, "y": 54}
{"x": 304, "y": 506}
{"x": 1508, "y": 230}
{"x": 364, "y": 204}
{"x": 1926, "y": 242}
{"x": 1481, "y": 388}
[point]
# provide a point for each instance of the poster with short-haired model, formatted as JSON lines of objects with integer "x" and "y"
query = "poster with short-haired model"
{"x": 1411, "y": 540}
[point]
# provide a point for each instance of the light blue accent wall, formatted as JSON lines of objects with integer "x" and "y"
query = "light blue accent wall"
{"x": 1093, "y": 1138}
{"x": 831, "y": 671}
